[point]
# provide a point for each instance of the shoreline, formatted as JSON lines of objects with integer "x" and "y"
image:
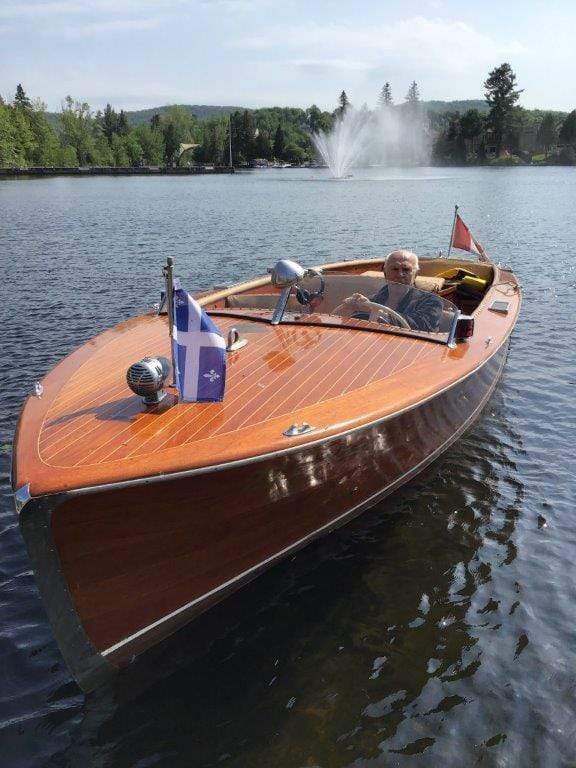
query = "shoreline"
{"x": 6, "y": 173}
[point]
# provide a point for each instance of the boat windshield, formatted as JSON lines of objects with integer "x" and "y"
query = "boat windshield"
{"x": 360, "y": 301}
{"x": 374, "y": 302}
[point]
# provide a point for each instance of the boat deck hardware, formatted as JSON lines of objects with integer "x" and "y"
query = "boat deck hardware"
{"x": 38, "y": 389}
{"x": 147, "y": 378}
{"x": 500, "y": 306}
{"x": 464, "y": 328}
{"x": 22, "y": 497}
{"x": 234, "y": 341}
{"x": 298, "y": 429}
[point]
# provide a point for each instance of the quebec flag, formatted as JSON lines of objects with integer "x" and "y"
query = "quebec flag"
{"x": 199, "y": 351}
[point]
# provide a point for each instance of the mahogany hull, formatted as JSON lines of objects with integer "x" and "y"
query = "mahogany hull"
{"x": 122, "y": 566}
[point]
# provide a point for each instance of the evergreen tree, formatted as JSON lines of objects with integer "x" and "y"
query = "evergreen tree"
{"x": 413, "y": 95}
{"x": 547, "y": 134}
{"x": 471, "y": 124}
{"x": 314, "y": 119}
{"x": 385, "y": 98}
{"x": 263, "y": 145}
{"x": 279, "y": 143}
{"x": 123, "y": 128}
{"x": 568, "y": 129}
{"x": 155, "y": 122}
{"x": 343, "y": 105}
{"x": 501, "y": 95}
{"x": 247, "y": 136}
{"x": 109, "y": 123}
{"x": 171, "y": 144}
{"x": 20, "y": 99}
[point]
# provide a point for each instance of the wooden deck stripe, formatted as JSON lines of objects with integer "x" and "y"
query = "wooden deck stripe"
{"x": 299, "y": 372}
{"x": 84, "y": 377}
{"x": 376, "y": 372}
{"x": 49, "y": 441}
{"x": 184, "y": 409}
{"x": 361, "y": 371}
{"x": 293, "y": 341}
{"x": 352, "y": 351}
{"x": 78, "y": 383}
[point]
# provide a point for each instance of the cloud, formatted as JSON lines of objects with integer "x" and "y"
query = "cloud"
{"x": 436, "y": 44}
{"x": 331, "y": 65}
{"x": 108, "y": 27}
{"x": 33, "y": 8}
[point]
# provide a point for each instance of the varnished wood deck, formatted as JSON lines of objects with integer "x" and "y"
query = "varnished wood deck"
{"x": 88, "y": 428}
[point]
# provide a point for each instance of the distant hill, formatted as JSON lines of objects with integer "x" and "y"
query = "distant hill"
{"x": 143, "y": 115}
{"x": 201, "y": 111}
{"x": 456, "y": 106}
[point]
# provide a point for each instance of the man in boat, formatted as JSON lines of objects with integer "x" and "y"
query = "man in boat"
{"x": 422, "y": 310}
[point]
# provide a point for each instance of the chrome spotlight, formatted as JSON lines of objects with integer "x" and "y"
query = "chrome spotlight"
{"x": 286, "y": 272}
{"x": 146, "y": 378}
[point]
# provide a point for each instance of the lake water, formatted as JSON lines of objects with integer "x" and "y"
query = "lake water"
{"x": 436, "y": 630}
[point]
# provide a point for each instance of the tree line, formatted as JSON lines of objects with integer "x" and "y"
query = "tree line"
{"x": 508, "y": 133}
{"x": 106, "y": 138}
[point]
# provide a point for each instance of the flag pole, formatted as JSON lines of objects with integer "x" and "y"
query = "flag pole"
{"x": 168, "y": 271}
{"x": 452, "y": 233}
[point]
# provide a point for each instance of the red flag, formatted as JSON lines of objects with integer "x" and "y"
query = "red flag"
{"x": 463, "y": 239}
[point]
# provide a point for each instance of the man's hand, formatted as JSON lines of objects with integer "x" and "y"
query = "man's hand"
{"x": 356, "y": 300}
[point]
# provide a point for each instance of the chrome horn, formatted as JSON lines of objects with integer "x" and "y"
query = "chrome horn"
{"x": 285, "y": 274}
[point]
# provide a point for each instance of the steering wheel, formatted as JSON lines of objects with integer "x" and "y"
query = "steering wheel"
{"x": 305, "y": 296}
{"x": 377, "y": 310}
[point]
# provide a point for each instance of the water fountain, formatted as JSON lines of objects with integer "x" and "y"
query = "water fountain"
{"x": 342, "y": 147}
{"x": 384, "y": 137}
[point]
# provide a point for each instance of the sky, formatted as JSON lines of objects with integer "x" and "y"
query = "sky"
{"x": 144, "y": 53}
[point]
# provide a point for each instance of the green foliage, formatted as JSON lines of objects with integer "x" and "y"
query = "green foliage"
{"x": 104, "y": 154}
{"x": 279, "y": 143}
{"x": 547, "y": 134}
{"x": 20, "y": 99}
{"x": 501, "y": 96}
{"x": 10, "y": 155}
{"x": 152, "y": 144}
{"x": 385, "y": 98}
{"x": 79, "y": 130}
{"x": 568, "y": 129}
{"x": 506, "y": 161}
{"x": 171, "y": 143}
{"x": 31, "y": 136}
{"x": 68, "y": 158}
{"x": 471, "y": 124}
{"x": 413, "y": 95}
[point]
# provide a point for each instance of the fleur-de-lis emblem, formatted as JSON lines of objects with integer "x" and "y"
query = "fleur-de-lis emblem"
{"x": 212, "y": 376}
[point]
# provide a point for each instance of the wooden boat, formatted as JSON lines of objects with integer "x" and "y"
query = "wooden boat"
{"x": 137, "y": 518}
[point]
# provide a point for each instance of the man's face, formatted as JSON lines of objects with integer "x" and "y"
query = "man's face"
{"x": 400, "y": 268}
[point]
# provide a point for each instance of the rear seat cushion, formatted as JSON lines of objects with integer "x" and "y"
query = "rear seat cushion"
{"x": 261, "y": 301}
{"x": 433, "y": 284}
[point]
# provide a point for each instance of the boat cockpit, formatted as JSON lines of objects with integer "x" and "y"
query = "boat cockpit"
{"x": 356, "y": 295}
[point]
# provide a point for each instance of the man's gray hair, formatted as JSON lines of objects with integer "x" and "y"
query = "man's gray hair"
{"x": 402, "y": 252}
